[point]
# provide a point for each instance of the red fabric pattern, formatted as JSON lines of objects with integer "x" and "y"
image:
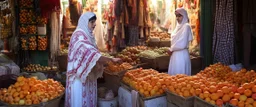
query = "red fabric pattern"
{"x": 89, "y": 89}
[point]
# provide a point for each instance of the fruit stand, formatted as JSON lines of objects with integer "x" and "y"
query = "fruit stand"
{"x": 32, "y": 92}
{"x": 216, "y": 85}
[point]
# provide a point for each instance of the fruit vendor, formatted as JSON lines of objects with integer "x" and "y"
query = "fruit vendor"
{"x": 180, "y": 38}
{"x": 85, "y": 64}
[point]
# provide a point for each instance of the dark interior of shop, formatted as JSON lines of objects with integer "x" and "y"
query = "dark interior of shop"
{"x": 245, "y": 38}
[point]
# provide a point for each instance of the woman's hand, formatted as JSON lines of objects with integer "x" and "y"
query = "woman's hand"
{"x": 116, "y": 60}
{"x": 169, "y": 52}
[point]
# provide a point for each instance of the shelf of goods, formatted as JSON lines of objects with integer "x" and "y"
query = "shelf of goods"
{"x": 29, "y": 92}
{"x": 32, "y": 39}
{"x": 32, "y": 68}
{"x": 6, "y": 19}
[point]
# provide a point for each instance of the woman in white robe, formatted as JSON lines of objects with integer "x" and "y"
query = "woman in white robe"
{"x": 85, "y": 65}
{"x": 180, "y": 38}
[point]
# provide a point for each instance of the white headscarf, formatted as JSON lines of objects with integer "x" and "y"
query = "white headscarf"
{"x": 184, "y": 14}
{"x": 181, "y": 31}
{"x": 79, "y": 43}
{"x": 83, "y": 24}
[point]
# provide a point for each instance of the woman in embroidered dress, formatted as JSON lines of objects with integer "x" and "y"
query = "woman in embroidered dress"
{"x": 180, "y": 38}
{"x": 85, "y": 64}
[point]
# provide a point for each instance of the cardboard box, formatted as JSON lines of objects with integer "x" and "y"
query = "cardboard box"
{"x": 155, "y": 101}
{"x": 124, "y": 97}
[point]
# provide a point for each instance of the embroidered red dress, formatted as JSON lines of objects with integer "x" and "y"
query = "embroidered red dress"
{"x": 83, "y": 69}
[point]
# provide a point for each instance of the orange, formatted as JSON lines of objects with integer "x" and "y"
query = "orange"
{"x": 240, "y": 90}
{"x": 28, "y": 102}
{"x": 207, "y": 99}
{"x": 226, "y": 98}
{"x": 201, "y": 95}
{"x": 220, "y": 93}
{"x": 213, "y": 102}
{"x": 28, "y": 97}
{"x": 219, "y": 102}
{"x": 214, "y": 96}
{"x": 225, "y": 90}
{"x": 16, "y": 99}
{"x": 231, "y": 94}
{"x": 21, "y": 78}
{"x": 240, "y": 104}
{"x": 212, "y": 89}
{"x": 186, "y": 93}
{"x": 247, "y": 85}
{"x": 198, "y": 91}
{"x": 206, "y": 94}
{"x": 233, "y": 102}
{"x": 236, "y": 95}
{"x": 254, "y": 104}
{"x": 254, "y": 88}
{"x": 248, "y": 92}
{"x": 249, "y": 101}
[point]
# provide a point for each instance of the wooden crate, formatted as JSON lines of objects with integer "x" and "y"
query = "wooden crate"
{"x": 165, "y": 43}
{"x": 201, "y": 103}
{"x": 112, "y": 82}
{"x": 153, "y": 44}
{"x": 150, "y": 62}
{"x": 163, "y": 62}
{"x": 229, "y": 105}
{"x": 170, "y": 104}
{"x": 179, "y": 100}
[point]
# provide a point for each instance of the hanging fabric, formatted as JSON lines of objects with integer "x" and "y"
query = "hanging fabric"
{"x": 47, "y": 6}
{"x": 55, "y": 35}
{"x": 223, "y": 37}
{"x": 98, "y": 31}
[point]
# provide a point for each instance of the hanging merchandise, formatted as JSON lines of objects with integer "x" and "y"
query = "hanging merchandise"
{"x": 223, "y": 37}
{"x": 55, "y": 36}
{"x": 98, "y": 31}
{"x": 75, "y": 11}
{"x": 46, "y": 6}
{"x": 7, "y": 25}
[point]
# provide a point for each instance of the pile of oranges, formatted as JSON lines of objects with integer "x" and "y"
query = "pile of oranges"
{"x": 148, "y": 81}
{"x": 115, "y": 67}
{"x": 216, "y": 84}
{"x": 28, "y": 91}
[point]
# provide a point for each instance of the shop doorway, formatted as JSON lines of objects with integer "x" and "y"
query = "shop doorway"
{"x": 246, "y": 35}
